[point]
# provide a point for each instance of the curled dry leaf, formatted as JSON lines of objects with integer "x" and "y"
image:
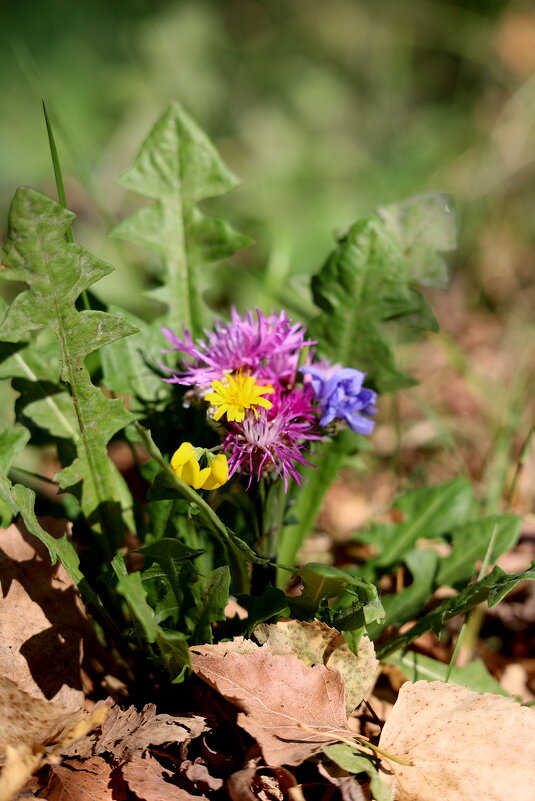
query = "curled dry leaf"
{"x": 291, "y": 709}
{"x": 260, "y": 784}
{"x": 147, "y": 779}
{"x": 317, "y": 643}
{"x": 462, "y": 745}
{"x": 42, "y": 619}
{"x": 129, "y": 733}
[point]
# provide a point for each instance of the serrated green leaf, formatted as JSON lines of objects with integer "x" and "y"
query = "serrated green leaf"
{"x": 169, "y": 554}
{"x": 470, "y": 544}
{"x": 272, "y": 603}
{"x": 428, "y": 512}
{"x": 56, "y": 272}
{"x": 171, "y": 645}
{"x": 168, "y": 548}
{"x": 424, "y": 227}
{"x": 47, "y": 405}
{"x": 321, "y": 582}
{"x": 491, "y": 589}
{"x": 362, "y": 283}
{"x": 21, "y": 500}
{"x": 129, "y": 364}
{"x": 365, "y": 282}
{"x": 407, "y": 604}
{"x": 168, "y": 486}
{"x": 34, "y": 368}
{"x": 12, "y": 441}
{"x": 211, "y": 606}
{"x": 474, "y": 675}
{"x": 177, "y": 166}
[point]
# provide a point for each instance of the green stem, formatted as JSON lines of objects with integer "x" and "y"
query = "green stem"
{"x": 309, "y": 499}
{"x": 239, "y": 552}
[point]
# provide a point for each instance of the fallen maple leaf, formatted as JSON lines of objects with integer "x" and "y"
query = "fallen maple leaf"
{"x": 461, "y": 745}
{"x": 129, "y": 733}
{"x": 291, "y": 709}
{"x": 317, "y": 643}
{"x": 145, "y": 777}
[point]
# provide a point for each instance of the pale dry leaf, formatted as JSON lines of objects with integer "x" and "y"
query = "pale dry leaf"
{"x": 146, "y": 778}
{"x": 317, "y": 643}
{"x": 291, "y": 709}
{"x": 88, "y": 780}
{"x": 25, "y": 719}
{"x": 462, "y": 745}
{"x": 199, "y": 775}
{"x": 42, "y": 618}
{"x": 127, "y": 733}
{"x": 20, "y": 761}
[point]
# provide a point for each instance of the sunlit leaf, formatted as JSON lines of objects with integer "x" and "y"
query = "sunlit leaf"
{"x": 491, "y": 589}
{"x": 56, "y": 272}
{"x": 366, "y": 282}
{"x": 178, "y": 166}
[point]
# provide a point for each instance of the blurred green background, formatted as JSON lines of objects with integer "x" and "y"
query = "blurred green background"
{"x": 323, "y": 110}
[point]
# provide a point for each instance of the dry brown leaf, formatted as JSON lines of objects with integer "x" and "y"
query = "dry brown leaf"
{"x": 145, "y": 777}
{"x": 20, "y": 761}
{"x": 89, "y": 780}
{"x": 25, "y": 719}
{"x": 291, "y": 709}
{"x": 260, "y": 784}
{"x": 129, "y": 733}
{"x": 462, "y": 745}
{"x": 317, "y": 643}
{"x": 42, "y": 619}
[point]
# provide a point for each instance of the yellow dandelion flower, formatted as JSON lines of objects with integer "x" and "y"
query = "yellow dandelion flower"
{"x": 185, "y": 465}
{"x": 240, "y": 392}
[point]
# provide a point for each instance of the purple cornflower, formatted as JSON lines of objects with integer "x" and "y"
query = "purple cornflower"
{"x": 275, "y": 439}
{"x": 267, "y": 347}
{"x": 340, "y": 395}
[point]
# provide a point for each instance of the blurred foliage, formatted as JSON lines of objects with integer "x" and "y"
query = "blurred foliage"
{"x": 324, "y": 110}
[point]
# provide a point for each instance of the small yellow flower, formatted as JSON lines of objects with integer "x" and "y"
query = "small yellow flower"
{"x": 185, "y": 465}
{"x": 240, "y": 392}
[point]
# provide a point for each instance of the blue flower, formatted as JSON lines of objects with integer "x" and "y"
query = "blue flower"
{"x": 340, "y": 395}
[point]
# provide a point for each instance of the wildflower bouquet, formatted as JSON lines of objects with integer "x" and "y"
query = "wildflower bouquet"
{"x": 235, "y": 425}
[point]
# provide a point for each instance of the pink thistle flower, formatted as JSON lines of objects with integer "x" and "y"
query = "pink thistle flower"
{"x": 275, "y": 440}
{"x": 267, "y": 347}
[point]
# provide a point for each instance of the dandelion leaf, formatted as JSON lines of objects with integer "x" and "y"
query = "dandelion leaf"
{"x": 56, "y": 273}
{"x": 492, "y": 589}
{"x": 177, "y": 166}
{"x": 368, "y": 281}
